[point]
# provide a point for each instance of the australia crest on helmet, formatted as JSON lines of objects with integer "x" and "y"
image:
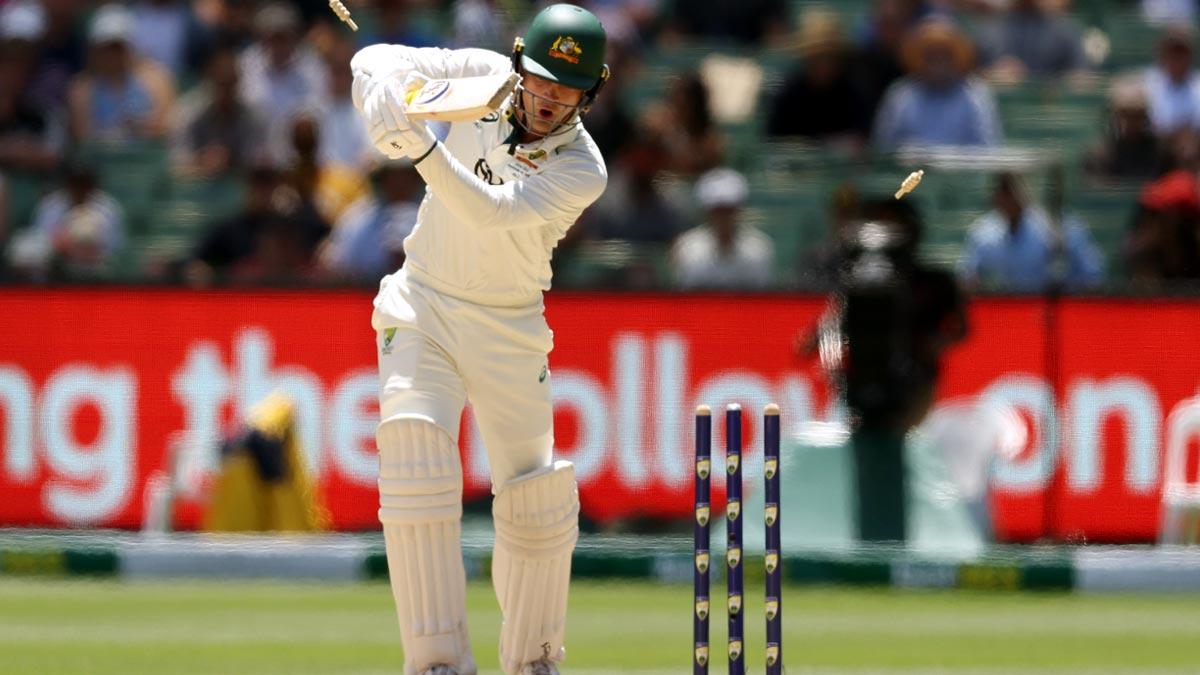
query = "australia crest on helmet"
{"x": 566, "y": 48}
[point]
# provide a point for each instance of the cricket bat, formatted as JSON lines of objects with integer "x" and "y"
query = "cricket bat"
{"x": 460, "y": 99}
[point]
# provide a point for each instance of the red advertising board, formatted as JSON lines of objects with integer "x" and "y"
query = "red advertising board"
{"x": 97, "y": 384}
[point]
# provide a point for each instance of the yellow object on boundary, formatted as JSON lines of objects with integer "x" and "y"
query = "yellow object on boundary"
{"x": 244, "y": 500}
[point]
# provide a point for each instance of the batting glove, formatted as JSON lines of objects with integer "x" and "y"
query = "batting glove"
{"x": 390, "y": 130}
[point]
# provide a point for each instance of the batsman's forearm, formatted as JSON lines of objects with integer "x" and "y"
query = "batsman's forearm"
{"x": 469, "y": 198}
{"x": 383, "y": 63}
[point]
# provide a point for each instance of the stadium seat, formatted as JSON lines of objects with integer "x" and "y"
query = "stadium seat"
{"x": 134, "y": 173}
{"x": 1132, "y": 40}
{"x": 613, "y": 263}
{"x": 23, "y": 192}
{"x": 193, "y": 205}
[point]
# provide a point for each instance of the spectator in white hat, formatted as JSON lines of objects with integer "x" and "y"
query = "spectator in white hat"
{"x": 724, "y": 253}
{"x": 118, "y": 96}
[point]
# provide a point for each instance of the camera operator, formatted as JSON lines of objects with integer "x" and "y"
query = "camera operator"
{"x": 892, "y": 319}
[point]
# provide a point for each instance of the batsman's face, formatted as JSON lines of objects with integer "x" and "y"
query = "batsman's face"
{"x": 547, "y": 103}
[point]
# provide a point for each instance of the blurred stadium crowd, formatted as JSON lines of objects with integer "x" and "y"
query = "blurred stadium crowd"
{"x": 214, "y": 142}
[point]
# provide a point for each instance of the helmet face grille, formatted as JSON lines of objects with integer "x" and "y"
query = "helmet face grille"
{"x": 570, "y": 118}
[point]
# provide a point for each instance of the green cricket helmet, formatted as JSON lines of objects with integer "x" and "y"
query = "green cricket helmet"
{"x": 564, "y": 44}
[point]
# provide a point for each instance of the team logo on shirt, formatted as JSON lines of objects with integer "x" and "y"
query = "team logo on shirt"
{"x": 485, "y": 174}
{"x": 566, "y": 48}
{"x": 544, "y": 374}
{"x": 389, "y": 334}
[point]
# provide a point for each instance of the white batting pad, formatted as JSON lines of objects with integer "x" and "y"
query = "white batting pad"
{"x": 537, "y": 525}
{"x": 420, "y": 506}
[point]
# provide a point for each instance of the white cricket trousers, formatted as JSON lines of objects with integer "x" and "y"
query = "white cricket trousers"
{"x": 436, "y": 352}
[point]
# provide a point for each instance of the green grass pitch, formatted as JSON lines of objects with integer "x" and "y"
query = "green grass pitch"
{"x": 169, "y": 628}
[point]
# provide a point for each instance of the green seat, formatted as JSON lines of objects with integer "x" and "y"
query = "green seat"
{"x": 134, "y": 173}
{"x": 1107, "y": 213}
{"x": 179, "y": 217}
{"x": 945, "y": 255}
{"x": 192, "y": 205}
{"x": 1132, "y": 40}
{"x": 1067, "y": 125}
{"x": 150, "y": 250}
{"x": 1036, "y": 114}
{"x": 1111, "y": 210}
{"x": 796, "y": 219}
{"x": 613, "y": 263}
{"x": 23, "y": 191}
{"x": 851, "y": 11}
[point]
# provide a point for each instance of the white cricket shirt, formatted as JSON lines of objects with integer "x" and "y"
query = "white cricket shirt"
{"x": 490, "y": 220}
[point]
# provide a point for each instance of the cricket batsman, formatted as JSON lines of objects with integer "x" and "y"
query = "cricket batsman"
{"x": 463, "y": 320}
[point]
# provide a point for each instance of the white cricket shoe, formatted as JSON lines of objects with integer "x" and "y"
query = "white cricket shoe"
{"x": 440, "y": 670}
{"x": 539, "y": 667}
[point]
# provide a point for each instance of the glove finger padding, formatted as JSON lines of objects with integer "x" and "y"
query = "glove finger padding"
{"x": 391, "y": 132}
{"x": 392, "y": 108}
{"x": 387, "y": 142}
